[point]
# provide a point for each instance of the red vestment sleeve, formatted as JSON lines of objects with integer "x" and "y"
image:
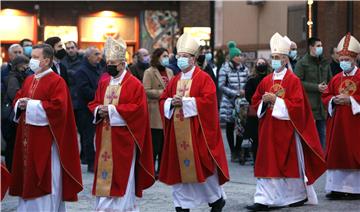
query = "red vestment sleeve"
{"x": 59, "y": 112}
{"x": 206, "y": 104}
{"x": 136, "y": 116}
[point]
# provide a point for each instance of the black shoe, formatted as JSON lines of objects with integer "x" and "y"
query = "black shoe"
{"x": 298, "y": 204}
{"x": 258, "y": 207}
{"x": 179, "y": 209}
{"x": 335, "y": 195}
{"x": 218, "y": 205}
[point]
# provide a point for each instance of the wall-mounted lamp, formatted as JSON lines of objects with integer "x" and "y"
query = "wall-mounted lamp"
{"x": 310, "y": 22}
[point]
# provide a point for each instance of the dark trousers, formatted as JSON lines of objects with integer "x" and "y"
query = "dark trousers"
{"x": 157, "y": 140}
{"x": 80, "y": 131}
{"x": 8, "y": 129}
{"x": 87, "y": 132}
{"x": 321, "y": 128}
{"x": 234, "y": 147}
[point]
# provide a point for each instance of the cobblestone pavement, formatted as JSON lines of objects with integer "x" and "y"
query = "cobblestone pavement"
{"x": 239, "y": 193}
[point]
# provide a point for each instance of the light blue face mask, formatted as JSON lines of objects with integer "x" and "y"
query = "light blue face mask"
{"x": 346, "y": 66}
{"x": 165, "y": 61}
{"x": 183, "y": 63}
{"x": 319, "y": 51}
{"x": 293, "y": 54}
{"x": 27, "y": 51}
{"x": 208, "y": 56}
{"x": 276, "y": 64}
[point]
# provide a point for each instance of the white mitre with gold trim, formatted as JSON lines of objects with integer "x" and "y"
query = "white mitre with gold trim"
{"x": 115, "y": 49}
{"x": 279, "y": 44}
{"x": 187, "y": 44}
{"x": 348, "y": 46}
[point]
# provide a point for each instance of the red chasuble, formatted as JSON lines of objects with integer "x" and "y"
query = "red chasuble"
{"x": 277, "y": 157}
{"x": 133, "y": 109}
{"x": 343, "y": 128}
{"x": 31, "y": 169}
{"x": 208, "y": 147}
{"x": 5, "y": 180}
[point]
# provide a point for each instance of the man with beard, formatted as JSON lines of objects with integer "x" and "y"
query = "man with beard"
{"x": 59, "y": 54}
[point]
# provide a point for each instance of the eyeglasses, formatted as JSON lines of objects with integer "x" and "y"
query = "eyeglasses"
{"x": 71, "y": 47}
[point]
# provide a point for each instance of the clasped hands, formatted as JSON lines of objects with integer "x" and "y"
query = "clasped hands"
{"x": 177, "y": 101}
{"x": 269, "y": 98}
{"x": 23, "y": 103}
{"x": 103, "y": 111}
{"x": 342, "y": 99}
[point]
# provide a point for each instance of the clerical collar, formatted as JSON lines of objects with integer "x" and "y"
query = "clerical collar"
{"x": 352, "y": 73}
{"x": 117, "y": 81}
{"x": 44, "y": 73}
{"x": 188, "y": 74}
{"x": 279, "y": 75}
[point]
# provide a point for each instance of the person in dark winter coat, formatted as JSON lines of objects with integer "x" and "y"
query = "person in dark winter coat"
{"x": 87, "y": 78}
{"x": 260, "y": 70}
{"x": 17, "y": 75}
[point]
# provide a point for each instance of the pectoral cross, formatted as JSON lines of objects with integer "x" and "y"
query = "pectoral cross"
{"x": 183, "y": 90}
{"x": 111, "y": 96}
{"x": 105, "y": 156}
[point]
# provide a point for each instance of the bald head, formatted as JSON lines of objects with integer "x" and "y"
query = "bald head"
{"x": 143, "y": 55}
{"x": 293, "y": 46}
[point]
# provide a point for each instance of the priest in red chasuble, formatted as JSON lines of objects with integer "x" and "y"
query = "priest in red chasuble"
{"x": 193, "y": 158}
{"x": 290, "y": 156}
{"x": 46, "y": 166}
{"x": 124, "y": 159}
{"x": 342, "y": 99}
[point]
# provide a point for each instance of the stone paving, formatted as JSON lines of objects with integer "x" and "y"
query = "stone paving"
{"x": 239, "y": 193}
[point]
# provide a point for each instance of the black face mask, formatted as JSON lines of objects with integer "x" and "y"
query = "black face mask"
{"x": 112, "y": 70}
{"x": 201, "y": 59}
{"x": 261, "y": 69}
{"x": 60, "y": 54}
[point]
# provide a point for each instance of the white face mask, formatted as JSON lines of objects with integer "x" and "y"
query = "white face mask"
{"x": 34, "y": 65}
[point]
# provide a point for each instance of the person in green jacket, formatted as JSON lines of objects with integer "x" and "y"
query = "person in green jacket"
{"x": 315, "y": 73}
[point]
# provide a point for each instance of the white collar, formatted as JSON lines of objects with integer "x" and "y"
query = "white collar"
{"x": 188, "y": 74}
{"x": 352, "y": 73}
{"x": 279, "y": 75}
{"x": 117, "y": 81}
{"x": 44, "y": 73}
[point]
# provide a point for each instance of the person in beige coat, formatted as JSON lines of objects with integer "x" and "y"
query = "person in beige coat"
{"x": 155, "y": 80}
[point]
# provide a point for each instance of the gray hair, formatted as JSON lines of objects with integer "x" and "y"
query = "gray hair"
{"x": 13, "y": 46}
{"x": 89, "y": 51}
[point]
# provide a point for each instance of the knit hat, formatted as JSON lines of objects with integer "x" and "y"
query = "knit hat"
{"x": 52, "y": 41}
{"x": 233, "y": 51}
